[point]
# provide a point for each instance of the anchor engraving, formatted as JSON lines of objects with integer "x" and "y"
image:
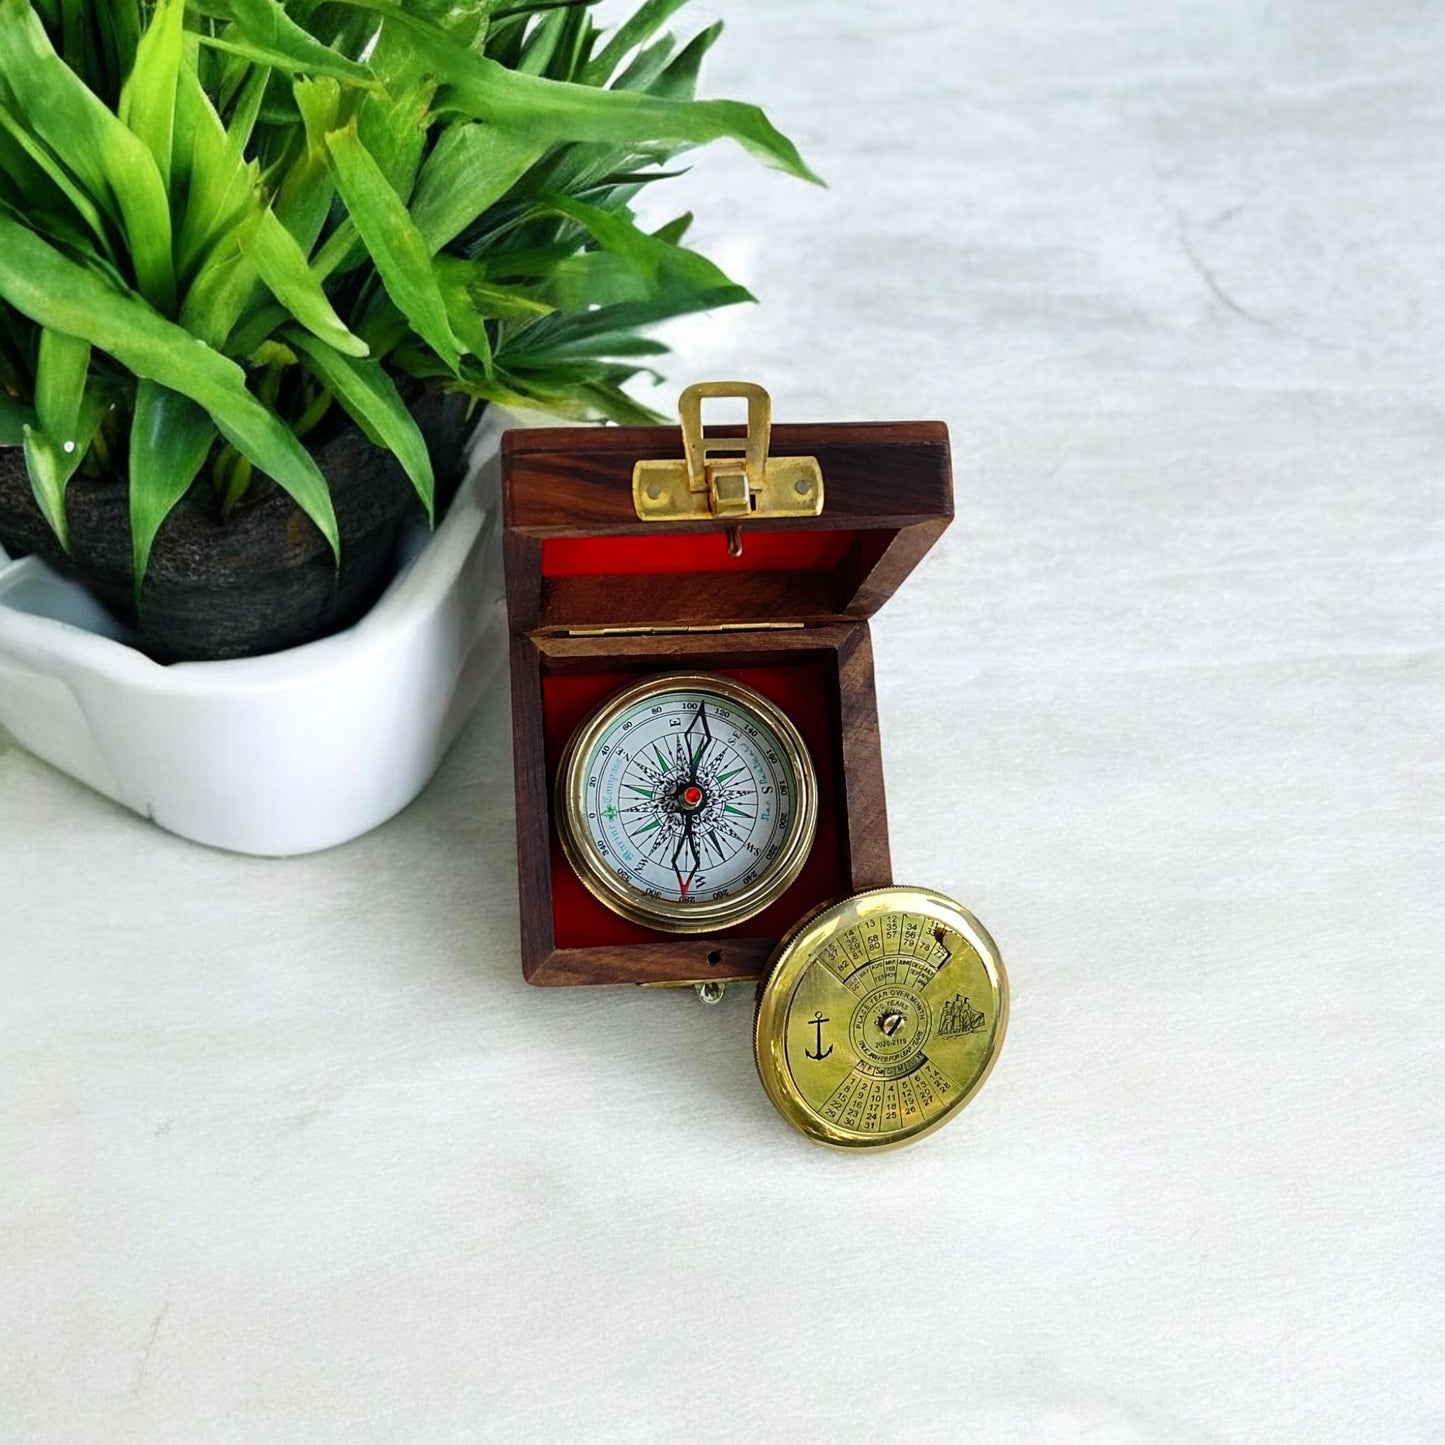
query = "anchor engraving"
{"x": 818, "y": 1021}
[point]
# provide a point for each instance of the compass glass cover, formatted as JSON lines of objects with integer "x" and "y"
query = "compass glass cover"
{"x": 687, "y": 802}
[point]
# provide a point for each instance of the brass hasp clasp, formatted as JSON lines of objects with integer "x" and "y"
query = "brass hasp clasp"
{"x": 728, "y": 479}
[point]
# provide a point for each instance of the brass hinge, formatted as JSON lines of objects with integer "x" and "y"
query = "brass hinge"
{"x": 666, "y": 630}
{"x": 744, "y": 483}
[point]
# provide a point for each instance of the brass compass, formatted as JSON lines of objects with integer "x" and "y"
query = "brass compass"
{"x": 880, "y": 1017}
{"x": 687, "y": 802}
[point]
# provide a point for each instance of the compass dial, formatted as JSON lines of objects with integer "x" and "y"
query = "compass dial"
{"x": 880, "y": 1017}
{"x": 687, "y": 802}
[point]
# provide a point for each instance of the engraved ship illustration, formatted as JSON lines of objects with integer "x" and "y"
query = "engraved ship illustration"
{"x": 959, "y": 1017}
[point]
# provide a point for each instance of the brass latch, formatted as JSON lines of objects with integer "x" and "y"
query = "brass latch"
{"x": 742, "y": 483}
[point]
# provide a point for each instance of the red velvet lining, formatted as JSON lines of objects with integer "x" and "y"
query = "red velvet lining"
{"x": 693, "y": 552}
{"x": 801, "y": 690}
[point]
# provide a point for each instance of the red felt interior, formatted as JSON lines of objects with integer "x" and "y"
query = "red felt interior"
{"x": 694, "y": 552}
{"x": 802, "y": 690}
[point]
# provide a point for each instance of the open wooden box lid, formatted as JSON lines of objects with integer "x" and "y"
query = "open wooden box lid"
{"x": 580, "y": 558}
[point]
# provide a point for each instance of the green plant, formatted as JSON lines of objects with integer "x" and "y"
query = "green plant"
{"x": 219, "y": 218}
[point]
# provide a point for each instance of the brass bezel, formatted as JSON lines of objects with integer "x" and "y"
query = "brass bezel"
{"x": 790, "y": 961}
{"x": 659, "y": 913}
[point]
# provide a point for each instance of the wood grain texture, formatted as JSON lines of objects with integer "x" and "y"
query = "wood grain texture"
{"x": 860, "y": 755}
{"x": 688, "y": 601}
{"x": 656, "y": 652}
{"x": 879, "y": 579}
{"x": 534, "y": 806}
{"x": 891, "y": 483}
{"x": 679, "y": 960}
{"x": 577, "y": 482}
{"x": 522, "y": 562}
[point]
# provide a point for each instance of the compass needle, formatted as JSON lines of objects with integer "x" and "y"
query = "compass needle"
{"x": 657, "y": 802}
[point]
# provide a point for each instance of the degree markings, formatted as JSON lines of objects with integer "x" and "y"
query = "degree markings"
{"x": 705, "y": 848}
{"x": 644, "y": 778}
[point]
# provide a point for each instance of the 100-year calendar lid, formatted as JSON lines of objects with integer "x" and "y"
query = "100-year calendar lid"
{"x": 880, "y": 1018}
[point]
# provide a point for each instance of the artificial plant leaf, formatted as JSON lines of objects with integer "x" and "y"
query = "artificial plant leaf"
{"x": 678, "y": 79}
{"x": 110, "y": 163}
{"x": 148, "y": 98}
{"x": 255, "y": 328}
{"x": 246, "y": 106}
{"x": 384, "y": 328}
{"x": 464, "y": 20}
{"x": 342, "y": 251}
{"x": 170, "y": 438}
{"x": 223, "y": 213}
{"x": 118, "y": 29}
{"x": 50, "y": 470}
{"x": 303, "y": 198}
{"x": 393, "y": 119}
{"x": 66, "y": 419}
{"x": 653, "y": 257}
{"x": 644, "y": 67}
{"x": 615, "y": 404}
{"x": 488, "y": 300}
{"x": 640, "y": 27}
{"x": 396, "y": 246}
{"x": 471, "y": 168}
{"x": 217, "y": 300}
{"x": 15, "y": 416}
{"x": 267, "y": 26}
{"x": 552, "y": 46}
{"x": 554, "y": 110}
{"x": 674, "y": 230}
{"x": 371, "y": 399}
{"x": 73, "y": 38}
{"x": 220, "y": 184}
{"x": 608, "y": 330}
{"x": 581, "y": 393}
{"x": 43, "y": 284}
{"x": 281, "y": 264}
{"x": 319, "y": 101}
{"x": 62, "y": 367}
{"x": 46, "y": 163}
{"x": 461, "y": 313}
{"x": 235, "y": 44}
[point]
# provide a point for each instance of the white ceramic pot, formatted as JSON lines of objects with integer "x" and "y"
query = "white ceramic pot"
{"x": 275, "y": 755}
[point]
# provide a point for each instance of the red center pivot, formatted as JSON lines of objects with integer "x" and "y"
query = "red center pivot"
{"x": 691, "y": 796}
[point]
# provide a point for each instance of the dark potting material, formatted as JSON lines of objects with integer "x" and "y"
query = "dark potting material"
{"x": 263, "y": 578}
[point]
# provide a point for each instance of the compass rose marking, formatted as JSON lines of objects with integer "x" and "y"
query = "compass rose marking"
{"x": 697, "y": 810}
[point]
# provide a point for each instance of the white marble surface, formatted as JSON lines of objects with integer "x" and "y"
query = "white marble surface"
{"x": 288, "y": 1150}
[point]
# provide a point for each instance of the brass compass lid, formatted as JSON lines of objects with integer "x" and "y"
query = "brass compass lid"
{"x": 880, "y": 1017}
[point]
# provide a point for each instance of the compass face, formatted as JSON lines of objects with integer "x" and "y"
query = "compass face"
{"x": 880, "y": 1017}
{"x": 687, "y": 802}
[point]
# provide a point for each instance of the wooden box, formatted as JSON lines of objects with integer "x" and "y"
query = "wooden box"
{"x": 597, "y": 598}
